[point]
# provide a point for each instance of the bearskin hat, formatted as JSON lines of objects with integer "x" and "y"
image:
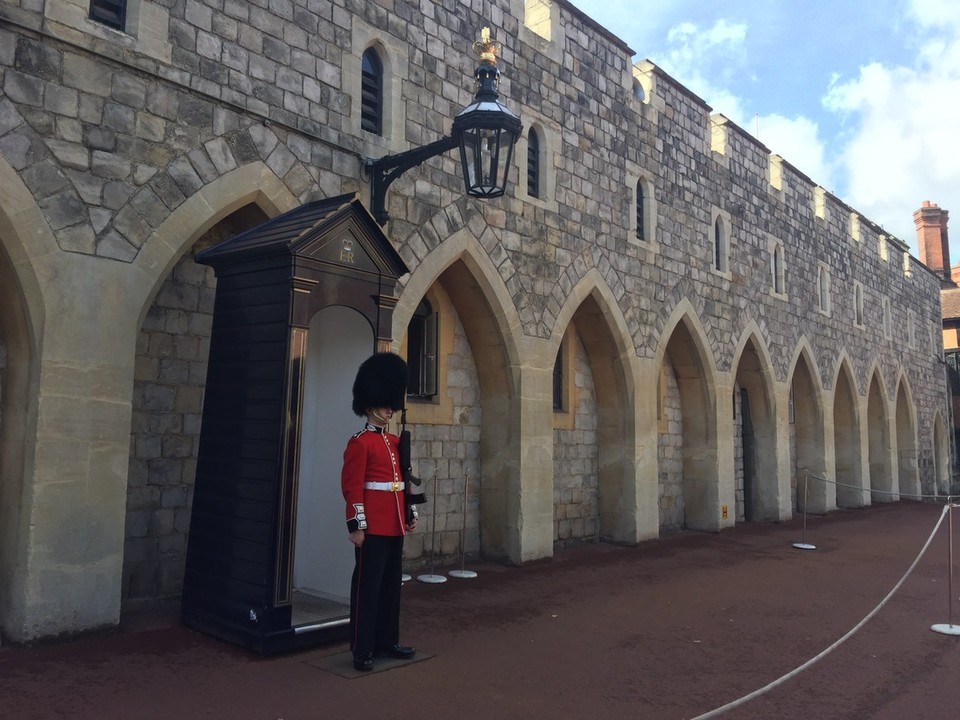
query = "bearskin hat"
{"x": 381, "y": 382}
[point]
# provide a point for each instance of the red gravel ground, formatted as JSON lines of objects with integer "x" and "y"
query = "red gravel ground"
{"x": 670, "y": 629}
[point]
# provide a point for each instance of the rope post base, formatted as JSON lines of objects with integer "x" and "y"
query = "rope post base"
{"x": 431, "y": 579}
{"x": 945, "y": 629}
{"x": 804, "y": 546}
{"x": 462, "y": 573}
{"x": 405, "y": 578}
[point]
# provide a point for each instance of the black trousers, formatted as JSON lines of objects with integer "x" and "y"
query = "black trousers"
{"x": 375, "y": 594}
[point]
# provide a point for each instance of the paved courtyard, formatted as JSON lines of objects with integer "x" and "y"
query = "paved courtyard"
{"x": 667, "y": 630}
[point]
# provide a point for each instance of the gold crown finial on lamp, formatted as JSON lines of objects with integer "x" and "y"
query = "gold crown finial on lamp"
{"x": 486, "y": 48}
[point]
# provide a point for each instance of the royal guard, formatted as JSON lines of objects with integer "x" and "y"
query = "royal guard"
{"x": 377, "y": 516}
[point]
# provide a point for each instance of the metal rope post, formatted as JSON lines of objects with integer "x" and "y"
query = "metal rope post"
{"x": 432, "y": 578}
{"x": 949, "y": 628}
{"x": 804, "y": 545}
{"x": 461, "y": 573}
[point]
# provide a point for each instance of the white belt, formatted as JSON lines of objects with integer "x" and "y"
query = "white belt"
{"x": 388, "y": 486}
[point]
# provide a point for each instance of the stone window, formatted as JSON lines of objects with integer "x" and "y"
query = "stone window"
{"x": 371, "y": 92}
{"x": 565, "y": 378}
{"x": 533, "y": 163}
{"x": 823, "y": 289}
{"x": 642, "y": 83}
{"x": 640, "y": 201}
{"x": 643, "y": 209}
{"x": 777, "y": 269}
{"x": 720, "y": 241}
{"x": 537, "y": 176}
{"x": 558, "y": 380}
{"x": 887, "y": 320}
{"x": 857, "y": 304}
{"x": 112, "y": 13}
{"x": 422, "y": 343}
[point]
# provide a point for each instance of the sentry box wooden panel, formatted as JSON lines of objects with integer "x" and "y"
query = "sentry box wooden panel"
{"x": 271, "y": 282}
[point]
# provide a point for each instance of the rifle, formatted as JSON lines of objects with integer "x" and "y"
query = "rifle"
{"x": 410, "y": 498}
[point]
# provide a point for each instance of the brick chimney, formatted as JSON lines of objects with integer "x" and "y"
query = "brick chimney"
{"x": 931, "y": 224}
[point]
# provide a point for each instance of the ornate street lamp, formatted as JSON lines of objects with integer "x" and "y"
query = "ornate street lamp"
{"x": 485, "y": 131}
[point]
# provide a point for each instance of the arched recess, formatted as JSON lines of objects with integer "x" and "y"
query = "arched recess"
{"x": 908, "y": 470}
{"x": 693, "y": 497}
{"x": 757, "y": 491}
{"x": 846, "y": 438}
{"x": 878, "y": 439}
{"x": 806, "y": 426}
{"x": 24, "y": 237}
{"x": 941, "y": 457}
{"x": 486, "y": 311}
{"x": 170, "y": 371}
{"x": 251, "y": 185}
{"x": 599, "y": 323}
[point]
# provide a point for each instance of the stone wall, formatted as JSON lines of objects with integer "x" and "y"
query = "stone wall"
{"x": 576, "y": 462}
{"x": 670, "y": 451}
{"x": 171, "y": 372}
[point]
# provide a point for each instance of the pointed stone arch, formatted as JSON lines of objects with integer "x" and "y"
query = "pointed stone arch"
{"x": 599, "y": 323}
{"x": 755, "y": 428}
{"x": 908, "y": 469}
{"x": 24, "y": 237}
{"x": 848, "y": 458}
{"x": 251, "y": 184}
{"x": 172, "y": 299}
{"x": 683, "y": 354}
{"x": 490, "y": 320}
{"x": 878, "y": 438}
{"x": 807, "y": 430}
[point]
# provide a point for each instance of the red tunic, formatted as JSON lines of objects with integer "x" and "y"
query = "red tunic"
{"x": 372, "y": 455}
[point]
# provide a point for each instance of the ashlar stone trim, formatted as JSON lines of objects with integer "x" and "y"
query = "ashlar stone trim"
{"x": 146, "y": 31}
{"x": 462, "y": 246}
{"x": 640, "y": 178}
{"x": 541, "y": 29}
{"x": 550, "y": 136}
{"x": 778, "y": 272}
{"x": 393, "y": 55}
{"x": 720, "y": 230}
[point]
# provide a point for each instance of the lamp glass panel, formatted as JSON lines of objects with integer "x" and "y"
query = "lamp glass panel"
{"x": 486, "y": 157}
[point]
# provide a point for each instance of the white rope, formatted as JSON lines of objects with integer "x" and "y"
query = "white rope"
{"x": 793, "y": 673}
{"x": 880, "y": 492}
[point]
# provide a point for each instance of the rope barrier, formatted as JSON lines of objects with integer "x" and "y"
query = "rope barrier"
{"x": 879, "y": 492}
{"x": 796, "y": 671}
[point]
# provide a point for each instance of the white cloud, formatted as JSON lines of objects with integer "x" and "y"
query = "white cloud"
{"x": 720, "y": 49}
{"x": 798, "y": 142}
{"x": 904, "y": 145}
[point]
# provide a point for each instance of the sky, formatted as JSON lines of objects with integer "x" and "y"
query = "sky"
{"x": 862, "y": 96}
